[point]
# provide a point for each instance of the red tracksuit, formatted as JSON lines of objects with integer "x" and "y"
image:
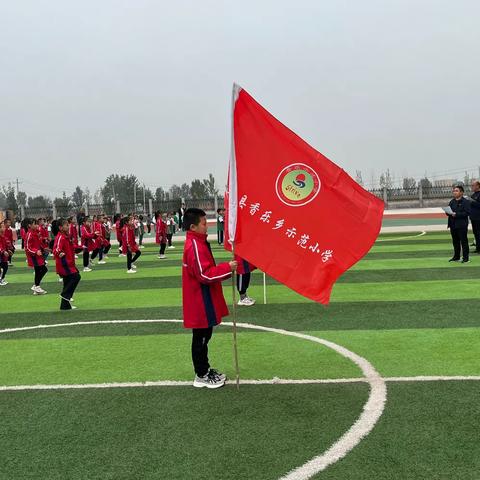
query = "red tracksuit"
{"x": 88, "y": 238}
{"x": 118, "y": 231}
{"x": 9, "y": 238}
{"x": 44, "y": 235}
{"x": 73, "y": 234}
{"x": 161, "y": 231}
{"x": 97, "y": 227}
{"x": 128, "y": 240}
{"x": 103, "y": 230}
{"x": 64, "y": 265}
{"x": 3, "y": 249}
{"x": 32, "y": 245}
{"x": 244, "y": 266}
{"x": 203, "y": 301}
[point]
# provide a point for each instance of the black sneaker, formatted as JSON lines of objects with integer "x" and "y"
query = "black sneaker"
{"x": 454, "y": 259}
{"x": 465, "y": 260}
{"x": 216, "y": 373}
{"x": 209, "y": 381}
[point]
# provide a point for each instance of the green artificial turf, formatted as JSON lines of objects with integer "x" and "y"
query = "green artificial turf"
{"x": 260, "y": 432}
{"x": 163, "y": 357}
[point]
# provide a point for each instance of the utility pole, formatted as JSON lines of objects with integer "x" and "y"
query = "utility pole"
{"x": 17, "y": 187}
{"x": 144, "y": 210}
{"x": 135, "y": 196}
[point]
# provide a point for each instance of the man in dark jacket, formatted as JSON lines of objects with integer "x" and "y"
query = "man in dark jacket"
{"x": 475, "y": 213}
{"x": 458, "y": 224}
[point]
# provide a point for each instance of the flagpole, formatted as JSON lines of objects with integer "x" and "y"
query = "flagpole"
{"x": 234, "y": 311}
{"x": 264, "y": 289}
{"x": 232, "y": 225}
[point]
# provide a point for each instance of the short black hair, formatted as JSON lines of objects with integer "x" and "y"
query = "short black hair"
{"x": 191, "y": 217}
{"x": 460, "y": 187}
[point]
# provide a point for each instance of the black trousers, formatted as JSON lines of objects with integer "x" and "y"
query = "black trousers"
{"x": 476, "y": 233}
{"x": 40, "y": 272}
{"x": 70, "y": 283}
{"x": 132, "y": 259}
{"x": 169, "y": 239}
{"x": 86, "y": 257}
{"x": 140, "y": 239}
{"x": 220, "y": 236}
{"x": 119, "y": 246}
{"x": 200, "y": 339}
{"x": 163, "y": 246}
{"x": 243, "y": 281}
{"x": 4, "y": 267}
{"x": 460, "y": 243}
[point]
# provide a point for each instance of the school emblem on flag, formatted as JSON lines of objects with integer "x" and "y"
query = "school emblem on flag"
{"x": 297, "y": 185}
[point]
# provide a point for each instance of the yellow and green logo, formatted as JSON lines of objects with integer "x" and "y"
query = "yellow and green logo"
{"x": 297, "y": 185}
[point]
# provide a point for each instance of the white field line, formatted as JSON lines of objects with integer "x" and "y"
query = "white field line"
{"x": 402, "y": 238}
{"x": 273, "y": 381}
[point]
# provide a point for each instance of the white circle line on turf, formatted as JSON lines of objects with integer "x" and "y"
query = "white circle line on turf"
{"x": 372, "y": 410}
{"x": 273, "y": 381}
{"x": 402, "y": 238}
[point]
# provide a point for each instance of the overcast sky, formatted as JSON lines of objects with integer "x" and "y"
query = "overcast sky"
{"x": 108, "y": 86}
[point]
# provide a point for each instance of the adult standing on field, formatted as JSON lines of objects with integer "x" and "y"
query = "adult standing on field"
{"x": 458, "y": 224}
{"x": 475, "y": 213}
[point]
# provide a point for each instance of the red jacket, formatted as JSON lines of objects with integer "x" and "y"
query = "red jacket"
{"x": 3, "y": 249}
{"x": 103, "y": 233}
{"x": 97, "y": 227}
{"x": 203, "y": 301}
{"x": 128, "y": 239}
{"x": 64, "y": 265}
{"x": 9, "y": 238}
{"x": 32, "y": 245}
{"x": 73, "y": 234}
{"x": 244, "y": 266}
{"x": 118, "y": 231}
{"x": 161, "y": 231}
{"x": 44, "y": 235}
{"x": 88, "y": 238}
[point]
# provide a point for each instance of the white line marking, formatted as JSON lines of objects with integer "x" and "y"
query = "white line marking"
{"x": 372, "y": 410}
{"x": 402, "y": 238}
{"x": 273, "y": 381}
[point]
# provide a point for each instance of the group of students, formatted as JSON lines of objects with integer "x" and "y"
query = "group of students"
{"x": 66, "y": 239}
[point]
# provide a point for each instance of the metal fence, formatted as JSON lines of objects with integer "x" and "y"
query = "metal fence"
{"x": 51, "y": 211}
{"x": 419, "y": 196}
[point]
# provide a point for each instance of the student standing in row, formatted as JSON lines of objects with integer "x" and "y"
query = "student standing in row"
{"x": 171, "y": 226}
{"x": 203, "y": 301}
{"x": 458, "y": 225}
{"x": 220, "y": 225}
{"x": 5, "y": 254}
{"x": 129, "y": 245}
{"x": 117, "y": 220}
{"x": 64, "y": 254}
{"x": 9, "y": 239}
{"x": 141, "y": 231}
{"x": 161, "y": 234}
{"x": 35, "y": 253}
{"x": 88, "y": 243}
{"x": 73, "y": 233}
{"x": 244, "y": 273}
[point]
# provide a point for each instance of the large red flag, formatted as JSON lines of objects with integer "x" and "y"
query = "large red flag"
{"x": 291, "y": 211}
